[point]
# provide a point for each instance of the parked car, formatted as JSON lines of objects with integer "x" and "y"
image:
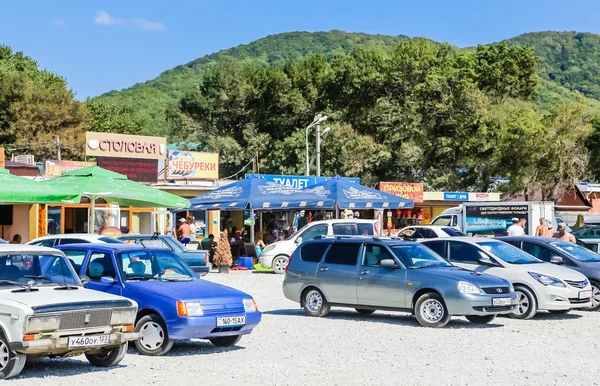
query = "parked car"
{"x": 373, "y": 274}
{"x": 423, "y": 232}
{"x": 3, "y": 241}
{"x": 173, "y": 303}
{"x": 196, "y": 260}
{"x": 539, "y": 285}
{"x": 557, "y": 251}
{"x": 72, "y": 238}
{"x": 276, "y": 255}
{"x": 45, "y": 311}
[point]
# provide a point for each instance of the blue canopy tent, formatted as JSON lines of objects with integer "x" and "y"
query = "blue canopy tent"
{"x": 257, "y": 194}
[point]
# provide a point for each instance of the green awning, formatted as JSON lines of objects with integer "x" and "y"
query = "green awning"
{"x": 20, "y": 190}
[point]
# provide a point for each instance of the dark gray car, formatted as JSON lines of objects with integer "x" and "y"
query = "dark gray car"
{"x": 571, "y": 255}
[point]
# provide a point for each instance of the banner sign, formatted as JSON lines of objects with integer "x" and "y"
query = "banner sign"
{"x": 139, "y": 170}
{"x": 56, "y": 168}
{"x": 125, "y": 146}
{"x": 192, "y": 165}
{"x": 299, "y": 182}
{"x": 456, "y": 196}
{"x": 491, "y": 219}
{"x": 406, "y": 190}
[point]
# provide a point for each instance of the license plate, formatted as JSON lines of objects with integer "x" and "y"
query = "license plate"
{"x": 88, "y": 341}
{"x": 231, "y": 321}
{"x": 501, "y": 301}
{"x": 585, "y": 294}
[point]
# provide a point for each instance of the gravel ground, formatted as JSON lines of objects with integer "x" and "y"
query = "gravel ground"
{"x": 347, "y": 349}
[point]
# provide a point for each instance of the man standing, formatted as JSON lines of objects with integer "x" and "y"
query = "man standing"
{"x": 542, "y": 229}
{"x": 184, "y": 231}
{"x": 515, "y": 229}
{"x": 564, "y": 235}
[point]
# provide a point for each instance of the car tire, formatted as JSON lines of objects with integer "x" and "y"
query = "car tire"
{"x": 11, "y": 363}
{"x": 226, "y": 341}
{"x": 526, "y": 304}
{"x": 279, "y": 264}
{"x": 154, "y": 338}
{"x": 364, "y": 311}
{"x": 595, "y": 296}
{"x": 108, "y": 357}
{"x": 314, "y": 303}
{"x": 477, "y": 319}
{"x": 560, "y": 312}
{"x": 430, "y": 310}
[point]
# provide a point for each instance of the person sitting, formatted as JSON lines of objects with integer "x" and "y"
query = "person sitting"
{"x": 16, "y": 239}
{"x": 259, "y": 244}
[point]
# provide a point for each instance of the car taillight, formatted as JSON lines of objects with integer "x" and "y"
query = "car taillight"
{"x": 288, "y": 264}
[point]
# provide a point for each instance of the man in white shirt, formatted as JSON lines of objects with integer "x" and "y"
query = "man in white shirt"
{"x": 515, "y": 229}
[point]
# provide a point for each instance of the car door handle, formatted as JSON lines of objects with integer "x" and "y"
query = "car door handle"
{"x": 323, "y": 269}
{"x": 364, "y": 272}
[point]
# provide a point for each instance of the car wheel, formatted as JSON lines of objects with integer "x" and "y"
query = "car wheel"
{"x": 279, "y": 264}
{"x": 595, "y": 297}
{"x": 363, "y": 311}
{"x": 526, "y": 304}
{"x": 226, "y": 341}
{"x": 480, "y": 319}
{"x": 154, "y": 338}
{"x": 560, "y": 312}
{"x": 315, "y": 303}
{"x": 431, "y": 311}
{"x": 108, "y": 357}
{"x": 11, "y": 363}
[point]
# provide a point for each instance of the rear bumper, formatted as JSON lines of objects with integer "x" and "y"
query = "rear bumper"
{"x": 203, "y": 327}
{"x": 59, "y": 346}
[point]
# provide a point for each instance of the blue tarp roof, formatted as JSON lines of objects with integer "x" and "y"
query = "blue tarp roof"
{"x": 349, "y": 195}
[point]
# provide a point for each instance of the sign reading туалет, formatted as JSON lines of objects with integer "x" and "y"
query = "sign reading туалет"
{"x": 456, "y": 196}
{"x": 125, "y": 146}
{"x": 193, "y": 165}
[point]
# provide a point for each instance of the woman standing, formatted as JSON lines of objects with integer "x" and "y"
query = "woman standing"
{"x": 192, "y": 223}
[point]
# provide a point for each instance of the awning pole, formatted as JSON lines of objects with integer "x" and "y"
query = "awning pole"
{"x": 92, "y": 218}
{"x": 251, "y": 225}
{"x": 337, "y": 210}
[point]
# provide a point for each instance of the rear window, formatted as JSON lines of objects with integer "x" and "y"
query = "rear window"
{"x": 453, "y": 232}
{"x": 344, "y": 229}
{"x": 72, "y": 241}
{"x": 110, "y": 240}
{"x": 365, "y": 229}
{"x": 313, "y": 252}
{"x": 343, "y": 254}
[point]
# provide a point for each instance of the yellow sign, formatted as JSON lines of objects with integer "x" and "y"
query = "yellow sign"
{"x": 2, "y": 157}
{"x": 193, "y": 165}
{"x": 125, "y": 146}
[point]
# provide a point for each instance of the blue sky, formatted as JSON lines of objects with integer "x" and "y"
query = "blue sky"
{"x": 104, "y": 45}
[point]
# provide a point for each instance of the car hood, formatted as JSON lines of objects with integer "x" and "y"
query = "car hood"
{"x": 554, "y": 270}
{"x": 197, "y": 289}
{"x": 47, "y": 296}
{"x": 459, "y": 274}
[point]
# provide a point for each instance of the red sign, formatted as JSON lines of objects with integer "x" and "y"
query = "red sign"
{"x": 407, "y": 190}
{"x": 136, "y": 169}
{"x": 111, "y": 232}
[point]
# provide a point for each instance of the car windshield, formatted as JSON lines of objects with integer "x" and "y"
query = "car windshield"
{"x": 30, "y": 268}
{"x": 418, "y": 256}
{"x": 453, "y": 232}
{"x": 577, "y": 252}
{"x": 508, "y": 253}
{"x": 153, "y": 265}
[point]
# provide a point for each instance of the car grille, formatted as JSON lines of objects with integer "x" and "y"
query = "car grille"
{"x": 494, "y": 308}
{"x": 226, "y": 329}
{"x": 577, "y": 284}
{"x": 578, "y": 301}
{"x": 222, "y": 309}
{"x": 80, "y": 319}
{"x": 494, "y": 290}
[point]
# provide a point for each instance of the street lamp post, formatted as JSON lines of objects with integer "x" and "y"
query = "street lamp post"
{"x": 318, "y": 119}
{"x": 319, "y": 147}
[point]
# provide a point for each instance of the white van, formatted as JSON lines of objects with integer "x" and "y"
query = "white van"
{"x": 276, "y": 255}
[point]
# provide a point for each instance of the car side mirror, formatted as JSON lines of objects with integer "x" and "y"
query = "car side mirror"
{"x": 485, "y": 260}
{"x": 85, "y": 280}
{"x": 388, "y": 263}
{"x": 298, "y": 240}
{"x": 557, "y": 260}
{"x": 107, "y": 280}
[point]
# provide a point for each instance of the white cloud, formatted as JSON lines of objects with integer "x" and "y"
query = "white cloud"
{"x": 59, "y": 23}
{"x": 104, "y": 18}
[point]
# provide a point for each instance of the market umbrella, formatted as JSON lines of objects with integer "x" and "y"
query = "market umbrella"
{"x": 20, "y": 190}
{"x": 94, "y": 182}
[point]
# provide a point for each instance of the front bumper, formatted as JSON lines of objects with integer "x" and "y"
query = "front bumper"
{"x": 463, "y": 304}
{"x": 203, "y": 327}
{"x": 561, "y": 298}
{"x": 60, "y": 345}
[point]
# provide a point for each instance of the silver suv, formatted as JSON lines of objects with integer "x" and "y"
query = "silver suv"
{"x": 371, "y": 274}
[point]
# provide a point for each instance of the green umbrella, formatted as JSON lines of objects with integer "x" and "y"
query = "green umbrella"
{"x": 20, "y": 190}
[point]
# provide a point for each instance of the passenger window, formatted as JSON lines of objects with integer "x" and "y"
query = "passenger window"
{"x": 374, "y": 254}
{"x": 344, "y": 229}
{"x": 314, "y": 232}
{"x": 443, "y": 221}
{"x": 313, "y": 252}
{"x": 76, "y": 259}
{"x": 342, "y": 253}
{"x": 454, "y": 221}
{"x": 464, "y": 253}
{"x": 423, "y": 233}
{"x": 538, "y": 251}
{"x": 72, "y": 241}
{"x": 45, "y": 243}
{"x": 438, "y": 247}
{"x": 365, "y": 229}
{"x": 100, "y": 264}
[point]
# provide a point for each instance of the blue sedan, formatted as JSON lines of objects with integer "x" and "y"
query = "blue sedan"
{"x": 173, "y": 303}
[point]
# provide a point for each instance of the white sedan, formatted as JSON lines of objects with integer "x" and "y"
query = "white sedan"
{"x": 423, "y": 232}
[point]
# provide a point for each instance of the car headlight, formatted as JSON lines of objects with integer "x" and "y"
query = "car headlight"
{"x": 464, "y": 287}
{"x": 547, "y": 280}
{"x": 269, "y": 248}
{"x": 250, "y": 305}
{"x": 42, "y": 323}
{"x": 123, "y": 316}
{"x": 189, "y": 309}
{"x": 511, "y": 288}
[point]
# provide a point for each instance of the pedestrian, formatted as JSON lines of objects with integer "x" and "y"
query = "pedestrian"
{"x": 184, "y": 231}
{"x": 16, "y": 239}
{"x": 542, "y": 229}
{"x": 515, "y": 229}
{"x": 564, "y": 235}
{"x": 192, "y": 223}
{"x": 259, "y": 244}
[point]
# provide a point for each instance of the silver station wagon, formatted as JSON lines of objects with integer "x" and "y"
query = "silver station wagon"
{"x": 371, "y": 274}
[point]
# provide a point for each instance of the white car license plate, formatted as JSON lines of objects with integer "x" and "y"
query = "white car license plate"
{"x": 501, "y": 302}
{"x": 231, "y": 321}
{"x": 88, "y": 341}
{"x": 585, "y": 294}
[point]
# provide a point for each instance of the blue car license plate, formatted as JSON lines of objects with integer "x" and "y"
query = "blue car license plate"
{"x": 231, "y": 321}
